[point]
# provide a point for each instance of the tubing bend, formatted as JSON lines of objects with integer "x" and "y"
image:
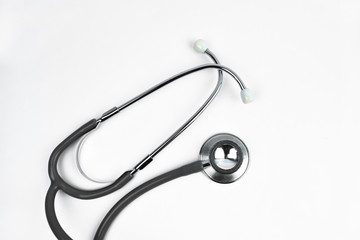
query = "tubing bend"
{"x": 51, "y": 215}
{"x": 71, "y": 190}
{"x": 55, "y": 155}
{"x": 140, "y": 190}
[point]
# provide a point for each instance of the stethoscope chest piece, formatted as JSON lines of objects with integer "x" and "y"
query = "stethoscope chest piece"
{"x": 225, "y": 158}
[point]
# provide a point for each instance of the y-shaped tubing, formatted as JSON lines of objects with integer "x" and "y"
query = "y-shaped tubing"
{"x": 57, "y": 182}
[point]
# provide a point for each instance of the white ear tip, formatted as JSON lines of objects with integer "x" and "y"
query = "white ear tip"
{"x": 247, "y": 96}
{"x": 200, "y": 46}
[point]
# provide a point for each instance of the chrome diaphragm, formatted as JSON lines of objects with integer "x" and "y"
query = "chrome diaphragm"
{"x": 225, "y": 158}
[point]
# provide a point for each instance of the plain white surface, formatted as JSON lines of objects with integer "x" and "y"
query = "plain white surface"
{"x": 65, "y": 62}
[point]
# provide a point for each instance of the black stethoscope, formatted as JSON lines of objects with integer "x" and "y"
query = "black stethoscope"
{"x": 223, "y": 157}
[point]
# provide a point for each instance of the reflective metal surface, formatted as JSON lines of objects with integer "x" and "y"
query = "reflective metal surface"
{"x": 225, "y": 158}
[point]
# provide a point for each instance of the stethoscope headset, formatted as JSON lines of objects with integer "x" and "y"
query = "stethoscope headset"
{"x": 223, "y": 157}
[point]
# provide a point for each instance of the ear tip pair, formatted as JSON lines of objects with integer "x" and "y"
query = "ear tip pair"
{"x": 247, "y": 95}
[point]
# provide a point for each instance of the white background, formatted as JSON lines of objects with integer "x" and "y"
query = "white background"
{"x": 65, "y": 62}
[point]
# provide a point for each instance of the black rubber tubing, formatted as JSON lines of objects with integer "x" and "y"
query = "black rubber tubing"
{"x": 143, "y": 188}
{"x": 51, "y": 215}
{"x": 71, "y": 190}
{"x": 57, "y": 183}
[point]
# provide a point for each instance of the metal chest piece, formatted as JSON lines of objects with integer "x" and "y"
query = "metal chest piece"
{"x": 225, "y": 158}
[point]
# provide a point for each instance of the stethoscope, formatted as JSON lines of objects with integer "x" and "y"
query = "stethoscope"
{"x": 223, "y": 157}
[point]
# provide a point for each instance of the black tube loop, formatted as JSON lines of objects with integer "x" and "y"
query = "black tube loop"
{"x": 57, "y": 183}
